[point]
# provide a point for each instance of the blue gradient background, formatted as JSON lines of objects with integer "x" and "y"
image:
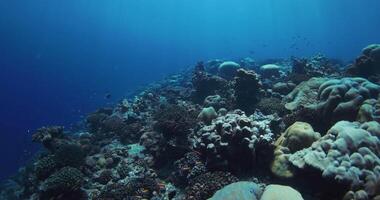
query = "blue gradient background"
{"x": 59, "y": 58}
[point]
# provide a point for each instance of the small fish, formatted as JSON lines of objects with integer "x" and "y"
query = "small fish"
{"x": 108, "y": 96}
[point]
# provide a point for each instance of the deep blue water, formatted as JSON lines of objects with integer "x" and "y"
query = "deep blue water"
{"x": 58, "y": 59}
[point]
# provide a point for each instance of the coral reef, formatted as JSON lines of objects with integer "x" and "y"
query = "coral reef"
{"x": 219, "y": 130}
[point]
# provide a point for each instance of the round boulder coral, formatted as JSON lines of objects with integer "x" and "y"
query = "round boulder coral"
{"x": 228, "y": 69}
{"x": 298, "y": 136}
{"x": 270, "y": 70}
{"x": 205, "y": 185}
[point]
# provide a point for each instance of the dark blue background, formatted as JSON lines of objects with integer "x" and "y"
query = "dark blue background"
{"x": 59, "y": 58}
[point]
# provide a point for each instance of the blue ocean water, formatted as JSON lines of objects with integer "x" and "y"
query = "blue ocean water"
{"x": 59, "y": 59}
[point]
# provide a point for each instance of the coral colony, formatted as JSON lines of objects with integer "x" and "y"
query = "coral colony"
{"x": 298, "y": 128}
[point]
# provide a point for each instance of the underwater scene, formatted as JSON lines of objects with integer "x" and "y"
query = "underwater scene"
{"x": 190, "y": 100}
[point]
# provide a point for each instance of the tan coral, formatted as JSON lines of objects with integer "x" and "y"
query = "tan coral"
{"x": 298, "y": 136}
